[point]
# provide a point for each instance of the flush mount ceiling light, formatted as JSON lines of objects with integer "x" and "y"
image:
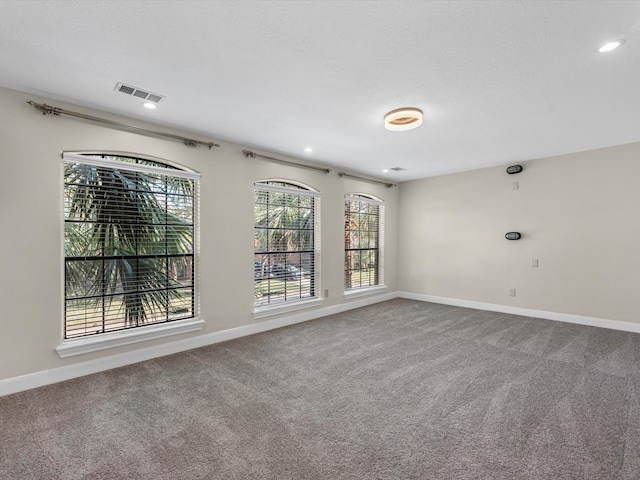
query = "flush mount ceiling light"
{"x": 403, "y": 119}
{"x": 608, "y": 47}
{"x": 149, "y": 105}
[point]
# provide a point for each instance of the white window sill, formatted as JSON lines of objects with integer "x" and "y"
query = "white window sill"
{"x": 361, "y": 292}
{"x": 268, "y": 310}
{"x": 79, "y": 346}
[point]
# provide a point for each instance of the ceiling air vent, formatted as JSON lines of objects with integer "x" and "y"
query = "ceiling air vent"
{"x": 138, "y": 92}
{"x": 397, "y": 169}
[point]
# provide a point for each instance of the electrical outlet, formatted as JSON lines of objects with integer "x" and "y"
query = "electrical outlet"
{"x": 516, "y": 185}
{"x": 326, "y": 293}
{"x": 512, "y": 292}
{"x": 534, "y": 263}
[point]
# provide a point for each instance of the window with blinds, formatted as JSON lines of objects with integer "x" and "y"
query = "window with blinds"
{"x": 363, "y": 241}
{"x": 129, "y": 236}
{"x": 286, "y": 242}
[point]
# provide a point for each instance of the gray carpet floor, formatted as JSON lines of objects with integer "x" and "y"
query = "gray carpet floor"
{"x": 398, "y": 390}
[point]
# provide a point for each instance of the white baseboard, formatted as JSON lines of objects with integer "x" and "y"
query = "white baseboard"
{"x": 47, "y": 377}
{"x": 59, "y": 374}
{"x": 526, "y": 312}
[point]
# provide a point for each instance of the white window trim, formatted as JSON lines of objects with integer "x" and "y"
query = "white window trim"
{"x": 285, "y": 307}
{"x": 270, "y": 309}
{"x": 82, "y": 345}
{"x": 364, "y": 197}
{"x": 87, "y": 344}
{"x": 132, "y": 167}
{"x": 361, "y": 292}
{"x": 304, "y": 189}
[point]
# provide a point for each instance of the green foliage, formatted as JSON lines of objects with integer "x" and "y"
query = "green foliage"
{"x": 284, "y": 222}
{"x": 284, "y": 235}
{"x": 116, "y": 221}
{"x": 361, "y": 242}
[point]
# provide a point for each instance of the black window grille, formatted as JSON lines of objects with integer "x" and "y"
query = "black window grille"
{"x": 129, "y": 228}
{"x": 285, "y": 243}
{"x": 362, "y": 242}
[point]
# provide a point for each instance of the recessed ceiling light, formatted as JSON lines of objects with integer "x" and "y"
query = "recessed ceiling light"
{"x": 403, "y": 119}
{"x": 308, "y": 149}
{"x": 608, "y": 47}
{"x": 386, "y": 170}
{"x": 150, "y": 105}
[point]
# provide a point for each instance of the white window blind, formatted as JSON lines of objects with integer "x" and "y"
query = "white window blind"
{"x": 286, "y": 243}
{"x": 363, "y": 242}
{"x": 129, "y": 235}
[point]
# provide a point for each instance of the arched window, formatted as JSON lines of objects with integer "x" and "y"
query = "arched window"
{"x": 129, "y": 236}
{"x": 286, "y": 241}
{"x": 363, "y": 242}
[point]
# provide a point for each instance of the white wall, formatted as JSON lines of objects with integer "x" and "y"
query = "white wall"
{"x": 31, "y": 253}
{"x": 579, "y": 215}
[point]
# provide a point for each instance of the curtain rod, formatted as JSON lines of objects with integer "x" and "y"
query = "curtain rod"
{"x": 250, "y": 154}
{"x": 386, "y": 184}
{"x": 49, "y": 110}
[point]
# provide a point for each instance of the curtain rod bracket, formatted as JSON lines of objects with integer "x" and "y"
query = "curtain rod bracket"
{"x": 196, "y": 143}
{"x": 46, "y": 109}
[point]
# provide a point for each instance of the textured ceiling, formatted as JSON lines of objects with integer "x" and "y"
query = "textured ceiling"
{"x": 498, "y": 81}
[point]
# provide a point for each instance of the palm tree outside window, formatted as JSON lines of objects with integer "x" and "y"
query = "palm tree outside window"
{"x": 285, "y": 242}
{"x": 129, "y": 236}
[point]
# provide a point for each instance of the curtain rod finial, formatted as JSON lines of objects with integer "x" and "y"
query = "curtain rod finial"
{"x": 45, "y": 109}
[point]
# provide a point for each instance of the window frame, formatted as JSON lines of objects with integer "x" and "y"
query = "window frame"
{"x": 132, "y": 334}
{"x": 267, "y": 308}
{"x": 378, "y": 285}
